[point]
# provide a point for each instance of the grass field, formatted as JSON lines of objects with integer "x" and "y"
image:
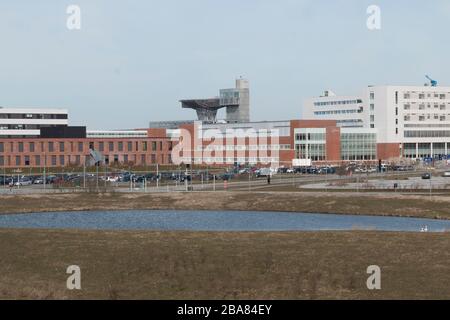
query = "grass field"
{"x": 389, "y": 204}
{"x": 241, "y": 265}
{"x": 180, "y": 265}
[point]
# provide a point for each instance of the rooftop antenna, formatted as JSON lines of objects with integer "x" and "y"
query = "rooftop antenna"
{"x": 434, "y": 83}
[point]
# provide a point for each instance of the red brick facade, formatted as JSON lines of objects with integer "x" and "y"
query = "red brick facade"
{"x": 387, "y": 151}
{"x": 64, "y": 152}
{"x": 157, "y": 148}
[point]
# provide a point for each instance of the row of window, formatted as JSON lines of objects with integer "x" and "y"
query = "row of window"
{"x": 245, "y": 148}
{"x": 358, "y": 146}
{"x": 428, "y": 125}
{"x": 354, "y": 146}
{"x": 426, "y": 145}
{"x": 32, "y": 116}
{"x": 428, "y": 117}
{"x": 424, "y": 95}
{"x": 356, "y": 157}
{"x": 423, "y": 150}
{"x": 313, "y": 151}
{"x": 427, "y": 134}
{"x": 310, "y": 136}
{"x": 52, "y": 146}
{"x": 334, "y": 103}
{"x": 21, "y": 126}
{"x": 63, "y": 160}
{"x": 422, "y": 106}
{"x": 349, "y": 111}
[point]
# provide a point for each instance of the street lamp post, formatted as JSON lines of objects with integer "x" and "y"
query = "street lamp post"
{"x": 45, "y": 172}
{"x": 157, "y": 176}
{"x": 84, "y": 173}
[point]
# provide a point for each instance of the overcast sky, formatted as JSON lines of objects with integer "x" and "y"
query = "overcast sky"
{"x": 133, "y": 60}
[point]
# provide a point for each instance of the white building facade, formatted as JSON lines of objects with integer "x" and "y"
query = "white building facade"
{"x": 26, "y": 122}
{"x": 348, "y": 111}
{"x": 411, "y": 121}
{"x": 417, "y": 118}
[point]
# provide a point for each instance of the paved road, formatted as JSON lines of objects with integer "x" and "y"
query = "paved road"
{"x": 306, "y": 181}
{"x": 410, "y": 183}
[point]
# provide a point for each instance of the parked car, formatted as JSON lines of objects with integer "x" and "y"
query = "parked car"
{"x": 39, "y": 180}
{"x": 23, "y": 182}
{"x": 244, "y": 171}
{"x": 282, "y": 170}
{"x": 5, "y": 180}
{"x": 112, "y": 179}
{"x": 51, "y": 179}
{"x": 426, "y": 176}
{"x": 226, "y": 176}
{"x": 125, "y": 177}
{"x": 263, "y": 172}
{"x": 446, "y": 174}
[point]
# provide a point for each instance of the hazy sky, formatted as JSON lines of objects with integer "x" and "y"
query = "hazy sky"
{"x": 133, "y": 60}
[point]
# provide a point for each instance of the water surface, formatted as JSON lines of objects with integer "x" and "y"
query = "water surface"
{"x": 216, "y": 221}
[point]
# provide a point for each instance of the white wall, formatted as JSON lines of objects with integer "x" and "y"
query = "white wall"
{"x": 310, "y": 110}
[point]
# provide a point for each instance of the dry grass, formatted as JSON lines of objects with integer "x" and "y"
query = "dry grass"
{"x": 199, "y": 265}
{"x": 183, "y": 265}
{"x": 393, "y": 204}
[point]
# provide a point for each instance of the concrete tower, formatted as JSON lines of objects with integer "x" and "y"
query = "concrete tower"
{"x": 237, "y": 102}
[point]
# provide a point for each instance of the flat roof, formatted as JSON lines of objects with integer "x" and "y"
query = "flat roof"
{"x": 33, "y": 110}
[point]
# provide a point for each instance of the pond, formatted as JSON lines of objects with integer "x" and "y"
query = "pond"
{"x": 216, "y": 221}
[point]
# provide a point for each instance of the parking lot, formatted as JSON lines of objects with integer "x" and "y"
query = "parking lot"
{"x": 351, "y": 176}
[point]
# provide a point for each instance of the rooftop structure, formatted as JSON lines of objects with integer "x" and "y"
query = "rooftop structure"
{"x": 206, "y": 108}
{"x": 235, "y": 100}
